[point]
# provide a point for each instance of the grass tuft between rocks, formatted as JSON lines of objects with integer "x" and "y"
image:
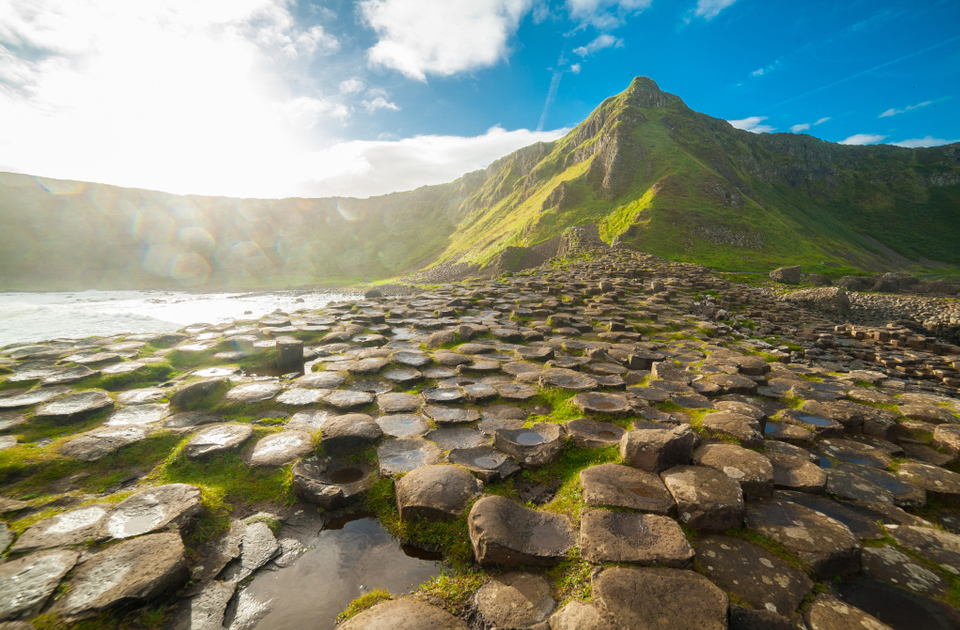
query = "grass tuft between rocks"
{"x": 367, "y": 600}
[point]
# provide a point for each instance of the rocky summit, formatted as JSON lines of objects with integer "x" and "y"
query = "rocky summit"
{"x": 605, "y": 441}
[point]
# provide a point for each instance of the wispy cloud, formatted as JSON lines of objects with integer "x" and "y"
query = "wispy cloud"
{"x": 351, "y": 86}
{"x": 575, "y": 68}
{"x": 604, "y": 14}
{"x": 863, "y": 138}
{"x": 709, "y": 9}
{"x": 752, "y": 124}
{"x": 927, "y": 141}
{"x": 800, "y": 127}
{"x": 893, "y": 112}
{"x": 605, "y": 40}
{"x": 760, "y": 72}
{"x": 379, "y": 103}
{"x": 421, "y": 37}
{"x": 821, "y": 121}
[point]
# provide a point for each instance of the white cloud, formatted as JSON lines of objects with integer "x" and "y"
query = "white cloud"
{"x": 757, "y": 73}
{"x": 709, "y": 9}
{"x": 927, "y": 141}
{"x": 380, "y": 103}
{"x": 604, "y": 14}
{"x": 800, "y": 127}
{"x": 441, "y": 37}
{"x": 351, "y": 86}
{"x": 575, "y": 68}
{"x": 894, "y": 112}
{"x": 752, "y": 124}
{"x": 366, "y": 168}
{"x": 602, "y": 41}
{"x": 821, "y": 121}
{"x": 863, "y": 138}
{"x": 173, "y": 95}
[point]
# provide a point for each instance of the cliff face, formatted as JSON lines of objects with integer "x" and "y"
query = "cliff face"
{"x": 643, "y": 168}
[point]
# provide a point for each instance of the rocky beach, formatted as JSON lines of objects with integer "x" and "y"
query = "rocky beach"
{"x": 607, "y": 441}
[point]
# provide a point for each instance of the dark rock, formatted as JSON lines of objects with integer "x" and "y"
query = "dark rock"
{"x": 656, "y": 450}
{"x": 828, "y": 612}
{"x": 350, "y": 432}
{"x": 786, "y": 275}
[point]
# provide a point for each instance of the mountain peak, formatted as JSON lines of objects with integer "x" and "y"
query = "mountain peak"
{"x": 644, "y": 92}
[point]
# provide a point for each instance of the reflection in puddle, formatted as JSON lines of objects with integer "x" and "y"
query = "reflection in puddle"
{"x": 530, "y": 438}
{"x": 350, "y": 556}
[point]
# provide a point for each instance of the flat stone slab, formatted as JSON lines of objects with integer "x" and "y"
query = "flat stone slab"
{"x": 829, "y": 612}
{"x": 660, "y": 599}
{"x": 644, "y": 539}
{"x": 27, "y": 583}
{"x": 503, "y": 532}
{"x": 824, "y": 544}
{"x": 411, "y": 358}
{"x": 928, "y": 413}
{"x": 940, "y": 484}
{"x": 793, "y": 472}
{"x": 398, "y": 403}
{"x": 531, "y": 447}
{"x": 895, "y": 567}
{"x": 143, "y": 396}
{"x": 10, "y": 420}
{"x": 403, "y": 425}
{"x": 436, "y": 492}
{"x": 205, "y": 611}
{"x": 570, "y": 380}
{"x": 486, "y": 462}
{"x": 600, "y": 403}
{"x": 515, "y": 600}
{"x": 253, "y": 392}
{"x": 755, "y": 575}
{"x": 403, "y": 614}
{"x": 592, "y": 434}
{"x": 149, "y": 510}
{"x": 446, "y": 416}
{"x": 350, "y": 432}
{"x": 189, "y": 419}
{"x": 281, "y": 448}
{"x": 69, "y": 528}
{"x": 346, "y": 399}
{"x": 942, "y": 548}
{"x": 75, "y": 406}
{"x": 706, "y": 498}
{"x": 519, "y": 392}
{"x": 309, "y": 420}
{"x": 97, "y": 444}
{"x": 577, "y": 615}
{"x": 301, "y": 396}
{"x": 320, "y": 380}
{"x": 133, "y": 572}
{"x": 744, "y": 429}
{"x": 216, "y": 439}
{"x": 138, "y": 415}
{"x": 656, "y": 450}
{"x": 406, "y": 454}
{"x": 750, "y": 469}
{"x": 788, "y": 433}
{"x": 449, "y": 394}
{"x": 898, "y": 607}
{"x": 615, "y": 485}
{"x": 862, "y": 524}
{"x": 34, "y": 397}
{"x": 449, "y": 438}
{"x": 854, "y": 453}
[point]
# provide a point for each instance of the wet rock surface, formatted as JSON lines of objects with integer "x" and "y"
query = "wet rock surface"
{"x": 569, "y": 391}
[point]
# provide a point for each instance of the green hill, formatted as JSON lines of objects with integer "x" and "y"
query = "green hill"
{"x": 648, "y": 171}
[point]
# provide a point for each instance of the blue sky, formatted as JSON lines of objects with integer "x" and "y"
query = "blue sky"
{"x": 275, "y": 98}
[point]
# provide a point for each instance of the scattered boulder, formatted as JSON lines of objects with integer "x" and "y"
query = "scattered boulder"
{"x": 831, "y": 300}
{"x": 786, "y": 275}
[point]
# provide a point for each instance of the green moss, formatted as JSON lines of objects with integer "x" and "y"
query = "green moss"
{"x": 150, "y": 374}
{"x": 452, "y": 589}
{"x": 367, "y": 600}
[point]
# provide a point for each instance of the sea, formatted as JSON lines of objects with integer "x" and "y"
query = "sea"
{"x": 32, "y": 317}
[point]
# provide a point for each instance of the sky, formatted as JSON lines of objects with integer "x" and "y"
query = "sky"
{"x": 283, "y": 98}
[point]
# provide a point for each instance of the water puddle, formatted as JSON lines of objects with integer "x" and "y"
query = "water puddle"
{"x": 350, "y": 556}
{"x": 529, "y": 438}
{"x": 818, "y": 422}
{"x": 608, "y": 435}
